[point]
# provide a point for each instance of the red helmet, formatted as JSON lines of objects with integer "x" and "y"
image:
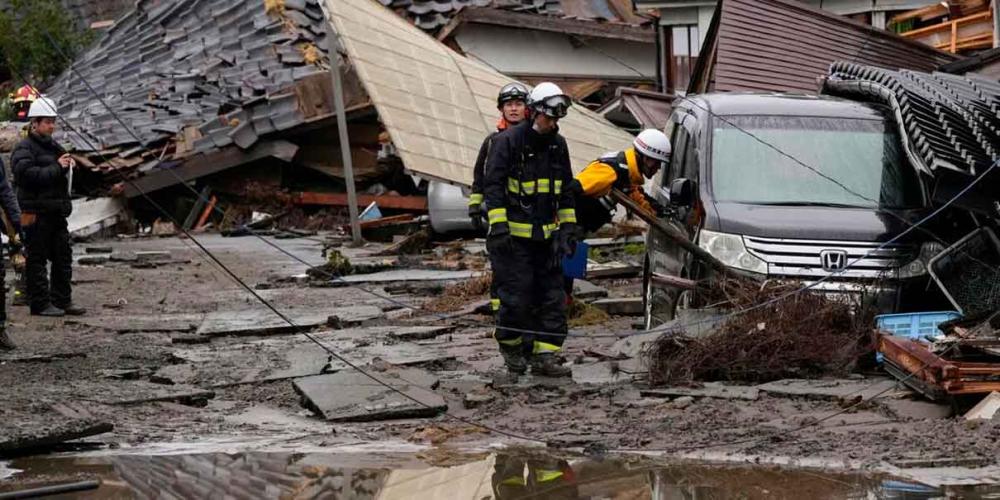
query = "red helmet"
{"x": 22, "y": 99}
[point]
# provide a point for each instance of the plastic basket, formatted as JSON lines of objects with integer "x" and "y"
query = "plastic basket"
{"x": 914, "y": 325}
{"x": 576, "y": 266}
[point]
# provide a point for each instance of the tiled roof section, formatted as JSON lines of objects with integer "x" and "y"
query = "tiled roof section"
{"x": 437, "y": 104}
{"x": 225, "y": 68}
{"x": 431, "y": 15}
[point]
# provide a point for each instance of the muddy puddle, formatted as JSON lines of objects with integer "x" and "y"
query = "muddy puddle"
{"x": 437, "y": 474}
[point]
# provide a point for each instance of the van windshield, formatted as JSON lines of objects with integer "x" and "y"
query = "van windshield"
{"x": 851, "y": 162}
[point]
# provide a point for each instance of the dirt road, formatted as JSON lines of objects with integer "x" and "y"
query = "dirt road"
{"x": 154, "y": 358}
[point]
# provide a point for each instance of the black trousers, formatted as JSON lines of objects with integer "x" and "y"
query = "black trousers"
{"x": 531, "y": 296}
{"x": 47, "y": 240}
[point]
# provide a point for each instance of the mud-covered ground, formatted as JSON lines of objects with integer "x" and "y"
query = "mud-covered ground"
{"x": 78, "y": 371}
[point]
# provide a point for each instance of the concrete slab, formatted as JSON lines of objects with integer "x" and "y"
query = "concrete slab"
{"x": 985, "y": 409}
{"x": 422, "y": 332}
{"x": 585, "y": 290}
{"x": 137, "y": 392}
{"x": 709, "y": 390}
{"x": 627, "y": 306}
{"x": 91, "y": 216}
{"x": 607, "y": 372}
{"x": 19, "y": 437}
{"x": 835, "y": 389}
{"x": 350, "y": 396}
{"x": 294, "y": 356}
{"x": 915, "y": 409}
{"x": 169, "y": 323}
{"x": 265, "y": 322}
{"x": 402, "y": 275}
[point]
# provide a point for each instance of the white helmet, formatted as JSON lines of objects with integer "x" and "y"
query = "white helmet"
{"x": 548, "y": 98}
{"x": 43, "y": 107}
{"x": 653, "y": 143}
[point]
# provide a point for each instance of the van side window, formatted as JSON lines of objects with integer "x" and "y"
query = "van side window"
{"x": 690, "y": 169}
{"x": 679, "y": 154}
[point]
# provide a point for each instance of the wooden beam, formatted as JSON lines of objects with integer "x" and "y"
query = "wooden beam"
{"x": 207, "y": 164}
{"x": 592, "y": 29}
{"x": 954, "y": 38}
{"x": 947, "y": 25}
{"x": 414, "y": 203}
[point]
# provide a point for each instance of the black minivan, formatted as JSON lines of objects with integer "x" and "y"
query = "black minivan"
{"x": 792, "y": 187}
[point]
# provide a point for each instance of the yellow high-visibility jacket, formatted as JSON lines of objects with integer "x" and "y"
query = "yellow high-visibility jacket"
{"x": 615, "y": 170}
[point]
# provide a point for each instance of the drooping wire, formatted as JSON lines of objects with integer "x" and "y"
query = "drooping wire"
{"x": 393, "y": 389}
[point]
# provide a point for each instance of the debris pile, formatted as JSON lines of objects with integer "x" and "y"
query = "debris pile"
{"x": 804, "y": 335}
{"x": 455, "y": 296}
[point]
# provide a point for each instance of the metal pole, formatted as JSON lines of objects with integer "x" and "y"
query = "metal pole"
{"x": 345, "y": 144}
{"x": 57, "y": 489}
{"x": 996, "y": 23}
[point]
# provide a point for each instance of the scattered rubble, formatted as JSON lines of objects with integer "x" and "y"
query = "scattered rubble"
{"x": 802, "y": 335}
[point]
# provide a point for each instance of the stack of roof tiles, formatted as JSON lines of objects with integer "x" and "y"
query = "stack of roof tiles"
{"x": 225, "y": 68}
{"x": 431, "y": 15}
{"x": 950, "y": 122}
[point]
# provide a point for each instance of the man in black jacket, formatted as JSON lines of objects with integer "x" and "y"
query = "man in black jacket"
{"x": 532, "y": 226}
{"x": 8, "y": 203}
{"x": 41, "y": 174}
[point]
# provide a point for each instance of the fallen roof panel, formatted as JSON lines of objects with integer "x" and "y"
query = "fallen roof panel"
{"x": 439, "y": 105}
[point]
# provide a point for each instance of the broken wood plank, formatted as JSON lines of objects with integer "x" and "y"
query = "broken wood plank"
{"x": 206, "y": 213}
{"x": 611, "y": 270}
{"x": 202, "y": 165}
{"x": 350, "y": 396}
{"x": 24, "y": 438}
{"x": 402, "y": 275}
{"x": 185, "y": 396}
{"x": 718, "y": 391}
{"x": 628, "y": 306}
{"x": 412, "y": 203}
{"x": 265, "y": 322}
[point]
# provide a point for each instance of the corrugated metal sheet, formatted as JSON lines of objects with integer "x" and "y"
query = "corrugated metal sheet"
{"x": 786, "y": 46}
{"x": 438, "y": 105}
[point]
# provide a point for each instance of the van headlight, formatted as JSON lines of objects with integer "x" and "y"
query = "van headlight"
{"x": 918, "y": 267}
{"x": 731, "y": 251}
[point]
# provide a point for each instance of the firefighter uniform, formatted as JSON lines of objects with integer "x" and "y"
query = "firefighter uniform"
{"x": 524, "y": 189}
{"x": 476, "y": 199}
{"x": 594, "y": 205}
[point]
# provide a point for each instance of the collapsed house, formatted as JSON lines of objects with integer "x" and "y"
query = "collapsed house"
{"x": 197, "y": 89}
{"x": 589, "y": 48}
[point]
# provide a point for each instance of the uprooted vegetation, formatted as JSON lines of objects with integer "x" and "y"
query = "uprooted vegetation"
{"x": 802, "y": 335}
{"x": 455, "y": 296}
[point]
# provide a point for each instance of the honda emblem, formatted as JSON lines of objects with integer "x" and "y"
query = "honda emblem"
{"x": 833, "y": 260}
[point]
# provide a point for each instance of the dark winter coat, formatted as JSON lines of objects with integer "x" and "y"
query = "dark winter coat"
{"x": 8, "y": 201}
{"x": 42, "y": 184}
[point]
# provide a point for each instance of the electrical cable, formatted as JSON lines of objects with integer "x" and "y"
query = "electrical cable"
{"x": 299, "y": 329}
{"x": 386, "y": 385}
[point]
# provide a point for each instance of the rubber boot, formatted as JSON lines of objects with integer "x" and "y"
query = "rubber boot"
{"x": 516, "y": 365}
{"x": 546, "y": 365}
{"x": 6, "y": 344}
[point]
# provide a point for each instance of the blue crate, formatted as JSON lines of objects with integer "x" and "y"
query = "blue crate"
{"x": 915, "y": 325}
{"x": 576, "y": 267}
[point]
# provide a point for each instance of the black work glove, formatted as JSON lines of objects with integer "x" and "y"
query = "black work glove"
{"x": 564, "y": 243}
{"x": 568, "y": 236}
{"x": 476, "y": 214}
{"x": 499, "y": 242}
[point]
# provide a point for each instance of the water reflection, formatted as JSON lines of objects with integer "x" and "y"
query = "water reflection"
{"x": 503, "y": 476}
